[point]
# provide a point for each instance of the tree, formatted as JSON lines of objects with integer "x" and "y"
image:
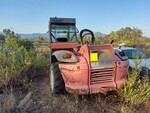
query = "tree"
{"x": 2, "y": 37}
{"x": 9, "y": 33}
{"x": 127, "y": 33}
{"x": 2, "y": 40}
{"x": 114, "y": 35}
{"x": 41, "y": 39}
{"x": 6, "y": 31}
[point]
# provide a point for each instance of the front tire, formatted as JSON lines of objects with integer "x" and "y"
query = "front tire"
{"x": 56, "y": 81}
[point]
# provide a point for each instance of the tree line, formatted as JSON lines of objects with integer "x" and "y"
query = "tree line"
{"x": 127, "y": 35}
{"x": 8, "y": 34}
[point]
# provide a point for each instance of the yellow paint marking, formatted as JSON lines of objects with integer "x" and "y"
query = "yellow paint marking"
{"x": 94, "y": 57}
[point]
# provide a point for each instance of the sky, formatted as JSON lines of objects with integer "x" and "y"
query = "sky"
{"x": 32, "y": 16}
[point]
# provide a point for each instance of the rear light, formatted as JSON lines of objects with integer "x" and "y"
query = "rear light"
{"x": 121, "y": 54}
{"x": 67, "y": 56}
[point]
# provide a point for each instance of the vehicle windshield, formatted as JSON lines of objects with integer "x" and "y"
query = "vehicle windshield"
{"x": 133, "y": 53}
{"x": 63, "y": 33}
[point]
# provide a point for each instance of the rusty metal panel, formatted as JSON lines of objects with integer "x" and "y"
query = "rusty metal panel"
{"x": 103, "y": 75}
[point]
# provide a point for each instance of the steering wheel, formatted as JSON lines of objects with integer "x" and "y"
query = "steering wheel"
{"x": 85, "y": 32}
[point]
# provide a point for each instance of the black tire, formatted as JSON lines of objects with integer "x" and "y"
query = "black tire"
{"x": 56, "y": 81}
{"x": 130, "y": 70}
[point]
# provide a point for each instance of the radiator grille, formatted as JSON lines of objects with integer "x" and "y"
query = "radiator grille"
{"x": 103, "y": 75}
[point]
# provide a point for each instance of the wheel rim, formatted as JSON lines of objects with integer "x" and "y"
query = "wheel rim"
{"x": 52, "y": 80}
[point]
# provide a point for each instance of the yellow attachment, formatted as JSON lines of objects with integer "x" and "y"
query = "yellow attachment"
{"x": 94, "y": 57}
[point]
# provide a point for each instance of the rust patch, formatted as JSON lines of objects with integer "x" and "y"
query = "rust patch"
{"x": 104, "y": 90}
{"x": 77, "y": 68}
{"x": 77, "y": 91}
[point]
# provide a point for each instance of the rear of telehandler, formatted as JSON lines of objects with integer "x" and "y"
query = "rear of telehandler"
{"x": 84, "y": 69}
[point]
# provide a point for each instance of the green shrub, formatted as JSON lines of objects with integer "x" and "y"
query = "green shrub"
{"x": 136, "y": 90}
{"x": 16, "y": 61}
{"x": 26, "y": 43}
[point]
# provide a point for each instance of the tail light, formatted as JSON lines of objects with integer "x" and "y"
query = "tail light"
{"x": 121, "y": 54}
{"x": 67, "y": 56}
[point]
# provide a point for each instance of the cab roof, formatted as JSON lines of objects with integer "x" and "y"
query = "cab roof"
{"x": 62, "y": 21}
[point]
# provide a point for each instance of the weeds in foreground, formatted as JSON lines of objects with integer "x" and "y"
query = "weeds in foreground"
{"x": 136, "y": 90}
{"x": 8, "y": 101}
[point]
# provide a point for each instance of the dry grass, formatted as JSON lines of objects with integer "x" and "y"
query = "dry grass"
{"x": 8, "y": 102}
{"x": 43, "y": 102}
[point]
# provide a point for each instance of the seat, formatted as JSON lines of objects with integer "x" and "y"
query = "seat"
{"x": 62, "y": 39}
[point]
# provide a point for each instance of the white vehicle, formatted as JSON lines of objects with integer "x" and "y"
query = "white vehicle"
{"x": 132, "y": 53}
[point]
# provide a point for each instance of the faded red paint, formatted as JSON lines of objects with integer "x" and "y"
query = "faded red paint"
{"x": 121, "y": 72}
{"x": 64, "y": 45}
{"x": 75, "y": 76}
{"x": 81, "y": 78}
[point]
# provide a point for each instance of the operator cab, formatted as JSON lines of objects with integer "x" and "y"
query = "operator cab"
{"x": 63, "y": 30}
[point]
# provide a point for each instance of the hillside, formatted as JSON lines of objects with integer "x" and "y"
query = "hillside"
{"x": 34, "y": 35}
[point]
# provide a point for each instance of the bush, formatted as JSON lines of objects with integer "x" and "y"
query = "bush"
{"x": 136, "y": 90}
{"x": 16, "y": 61}
{"x": 26, "y": 43}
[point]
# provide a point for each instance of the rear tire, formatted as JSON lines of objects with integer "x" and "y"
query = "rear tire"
{"x": 56, "y": 81}
{"x": 130, "y": 70}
